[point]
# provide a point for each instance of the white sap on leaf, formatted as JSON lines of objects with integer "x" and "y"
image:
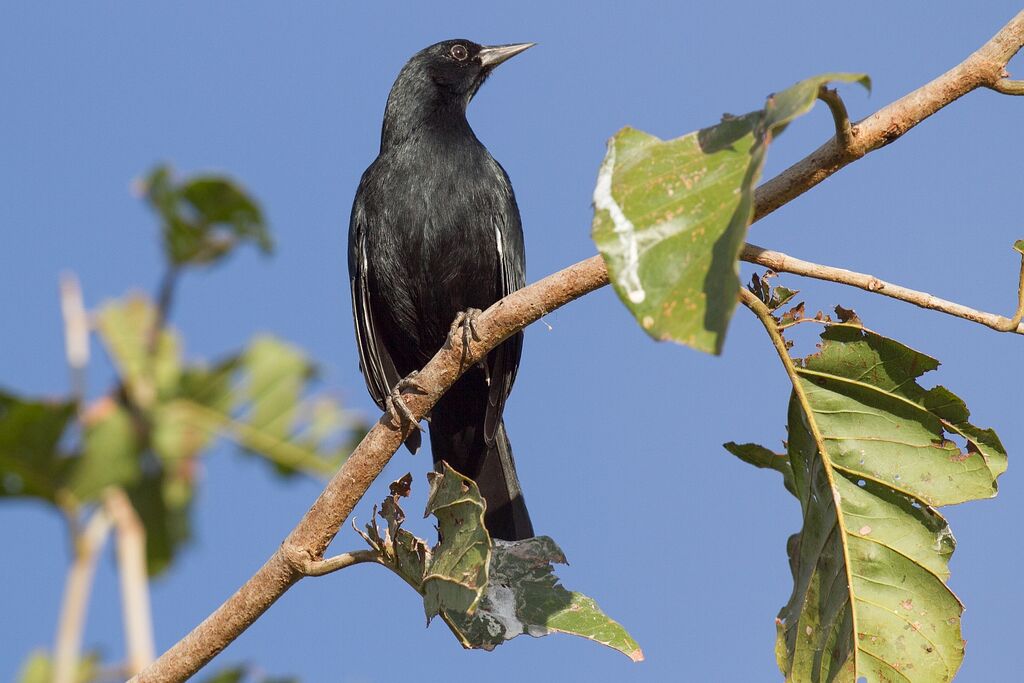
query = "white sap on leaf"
{"x": 624, "y": 229}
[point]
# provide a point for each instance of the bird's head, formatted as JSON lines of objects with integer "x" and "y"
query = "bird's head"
{"x": 440, "y": 78}
{"x": 454, "y": 69}
{"x": 459, "y": 67}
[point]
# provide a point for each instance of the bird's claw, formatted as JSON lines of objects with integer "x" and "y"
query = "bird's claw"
{"x": 467, "y": 321}
{"x": 397, "y": 403}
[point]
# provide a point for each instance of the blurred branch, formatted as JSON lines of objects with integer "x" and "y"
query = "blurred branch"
{"x": 985, "y": 68}
{"x": 321, "y": 523}
{"x": 76, "y": 332}
{"x": 87, "y": 546}
{"x": 164, "y": 301}
{"x": 131, "y": 570}
{"x": 784, "y": 263}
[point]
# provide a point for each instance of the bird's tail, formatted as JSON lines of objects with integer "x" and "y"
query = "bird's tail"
{"x": 507, "y": 517}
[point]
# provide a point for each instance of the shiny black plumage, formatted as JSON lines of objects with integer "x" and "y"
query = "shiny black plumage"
{"x": 435, "y": 230}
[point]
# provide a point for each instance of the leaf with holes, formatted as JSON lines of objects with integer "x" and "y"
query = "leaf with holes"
{"x": 670, "y": 216}
{"x": 872, "y": 453}
{"x": 486, "y": 591}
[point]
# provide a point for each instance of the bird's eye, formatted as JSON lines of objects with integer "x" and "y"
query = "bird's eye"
{"x": 460, "y": 52}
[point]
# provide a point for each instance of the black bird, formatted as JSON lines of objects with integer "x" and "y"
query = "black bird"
{"x": 435, "y": 235}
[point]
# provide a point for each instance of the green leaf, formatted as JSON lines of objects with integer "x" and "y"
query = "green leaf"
{"x": 243, "y": 672}
{"x": 670, "y": 217}
{"x": 872, "y": 452}
{"x": 38, "y": 668}
{"x": 524, "y": 596}
{"x": 204, "y": 217}
{"x": 30, "y": 431}
{"x": 126, "y": 327}
{"x": 485, "y": 593}
{"x": 457, "y": 571}
{"x": 110, "y": 452}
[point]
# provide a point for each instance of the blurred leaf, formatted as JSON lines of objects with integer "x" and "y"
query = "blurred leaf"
{"x": 126, "y": 328}
{"x": 30, "y": 431}
{"x": 485, "y": 593}
{"x": 163, "y": 501}
{"x": 257, "y": 399}
{"x": 275, "y": 376}
{"x": 670, "y": 217}
{"x": 38, "y": 668}
{"x": 871, "y": 453}
{"x": 204, "y": 217}
{"x": 110, "y": 453}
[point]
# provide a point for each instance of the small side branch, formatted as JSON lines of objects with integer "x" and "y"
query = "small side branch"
{"x": 1008, "y": 86}
{"x": 307, "y": 566}
{"x": 784, "y": 263}
{"x": 844, "y": 129}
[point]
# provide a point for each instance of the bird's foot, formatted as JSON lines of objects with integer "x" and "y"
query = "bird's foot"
{"x": 396, "y": 403}
{"x": 466, "y": 320}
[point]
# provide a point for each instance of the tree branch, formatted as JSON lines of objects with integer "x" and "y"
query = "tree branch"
{"x": 321, "y": 523}
{"x": 783, "y": 263}
{"x": 86, "y": 549}
{"x": 984, "y": 68}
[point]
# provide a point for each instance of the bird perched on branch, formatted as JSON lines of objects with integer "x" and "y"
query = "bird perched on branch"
{"x": 435, "y": 236}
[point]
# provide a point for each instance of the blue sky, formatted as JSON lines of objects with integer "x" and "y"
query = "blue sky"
{"x": 618, "y": 439}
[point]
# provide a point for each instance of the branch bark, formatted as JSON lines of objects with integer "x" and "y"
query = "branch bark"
{"x": 984, "y": 68}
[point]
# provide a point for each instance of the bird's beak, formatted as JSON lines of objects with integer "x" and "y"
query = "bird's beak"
{"x": 494, "y": 55}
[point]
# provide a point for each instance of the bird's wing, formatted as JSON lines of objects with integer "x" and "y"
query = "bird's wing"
{"x": 374, "y": 360}
{"x": 503, "y": 362}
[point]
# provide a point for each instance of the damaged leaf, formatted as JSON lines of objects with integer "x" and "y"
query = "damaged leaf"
{"x": 670, "y": 216}
{"x": 486, "y": 591}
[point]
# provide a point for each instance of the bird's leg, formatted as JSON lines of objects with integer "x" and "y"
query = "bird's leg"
{"x": 467, "y": 321}
{"x": 396, "y": 403}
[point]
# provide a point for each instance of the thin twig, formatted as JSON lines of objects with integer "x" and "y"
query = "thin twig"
{"x": 844, "y": 130}
{"x": 75, "y": 603}
{"x": 784, "y": 263}
{"x": 131, "y": 570}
